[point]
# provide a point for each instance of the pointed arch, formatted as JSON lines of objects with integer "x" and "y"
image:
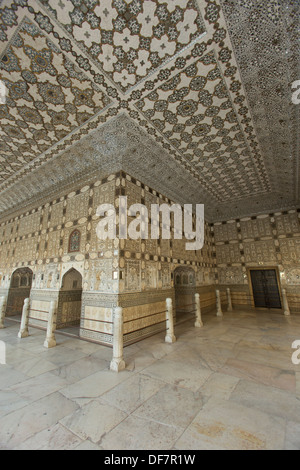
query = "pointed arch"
{"x": 69, "y": 301}
{"x": 185, "y": 289}
{"x": 19, "y": 290}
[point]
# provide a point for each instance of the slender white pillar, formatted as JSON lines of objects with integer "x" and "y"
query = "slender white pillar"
{"x": 229, "y": 308}
{"x": 50, "y": 341}
{"x": 117, "y": 364}
{"x": 286, "y": 309}
{"x": 219, "y": 306}
{"x": 23, "y": 333}
{"x": 198, "y": 323}
{"x": 170, "y": 337}
{"x": 3, "y": 302}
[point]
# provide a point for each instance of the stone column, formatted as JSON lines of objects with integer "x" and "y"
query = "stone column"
{"x": 219, "y": 306}
{"x": 23, "y": 333}
{"x": 170, "y": 337}
{"x": 117, "y": 364}
{"x": 50, "y": 341}
{"x": 3, "y": 302}
{"x": 286, "y": 309}
{"x": 229, "y": 308}
{"x": 198, "y": 323}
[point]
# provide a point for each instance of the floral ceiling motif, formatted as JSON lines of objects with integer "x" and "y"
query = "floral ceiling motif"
{"x": 193, "y": 110}
{"x": 206, "y": 83}
{"x": 129, "y": 38}
{"x": 48, "y": 98}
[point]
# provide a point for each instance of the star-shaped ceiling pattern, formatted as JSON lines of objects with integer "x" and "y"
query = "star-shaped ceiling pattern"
{"x": 48, "y": 98}
{"x": 189, "y": 77}
{"x": 129, "y": 39}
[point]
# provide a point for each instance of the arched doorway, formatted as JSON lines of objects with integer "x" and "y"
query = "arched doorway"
{"x": 185, "y": 289}
{"x": 69, "y": 300}
{"x": 20, "y": 287}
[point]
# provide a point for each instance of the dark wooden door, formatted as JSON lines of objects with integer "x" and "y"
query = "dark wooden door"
{"x": 265, "y": 288}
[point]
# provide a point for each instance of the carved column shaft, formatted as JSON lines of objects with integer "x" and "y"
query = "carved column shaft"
{"x": 117, "y": 364}
{"x": 170, "y": 337}
{"x": 3, "y": 302}
{"x": 286, "y": 309}
{"x": 23, "y": 333}
{"x": 50, "y": 341}
{"x": 219, "y": 305}
{"x": 198, "y": 323}
{"x": 229, "y": 308}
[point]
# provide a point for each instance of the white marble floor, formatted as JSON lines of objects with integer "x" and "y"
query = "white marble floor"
{"x": 228, "y": 385}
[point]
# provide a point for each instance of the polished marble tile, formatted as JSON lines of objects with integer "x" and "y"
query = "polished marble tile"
{"x": 94, "y": 420}
{"x": 167, "y": 404}
{"x": 80, "y": 369}
{"x": 129, "y": 395}
{"x": 140, "y": 434}
{"x": 270, "y": 400}
{"x": 219, "y": 385}
{"x": 38, "y": 387}
{"x": 16, "y": 355}
{"x": 34, "y": 366}
{"x": 17, "y": 426}
{"x": 283, "y": 379}
{"x": 55, "y": 437}
{"x": 226, "y": 425}
{"x": 10, "y": 401}
{"x": 230, "y": 384}
{"x": 292, "y": 438}
{"x": 185, "y": 376}
{"x": 61, "y": 355}
{"x": 87, "y": 445}
{"x": 93, "y": 386}
{"x": 298, "y": 383}
{"x": 10, "y": 376}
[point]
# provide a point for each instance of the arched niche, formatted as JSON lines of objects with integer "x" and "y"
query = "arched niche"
{"x": 19, "y": 290}
{"x": 185, "y": 289}
{"x": 69, "y": 300}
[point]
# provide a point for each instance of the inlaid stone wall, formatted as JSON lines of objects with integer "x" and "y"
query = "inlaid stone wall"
{"x": 270, "y": 240}
{"x": 147, "y": 268}
{"x": 40, "y": 239}
{"x": 136, "y": 274}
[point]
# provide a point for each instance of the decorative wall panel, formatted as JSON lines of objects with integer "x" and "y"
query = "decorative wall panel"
{"x": 288, "y": 223}
{"x": 256, "y": 228}
{"x": 260, "y": 252}
{"x": 77, "y": 207}
{"x": 290, "y": 250}
{"x": 224, "y": 232}
{"x": 228, "y": 253}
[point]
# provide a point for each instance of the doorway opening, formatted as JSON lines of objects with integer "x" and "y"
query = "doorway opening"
{"x": 69, "y": 302}
{"x": 19, "y": 290}
{"x": 185, "y": 289}
{"x": 265, "y": 288}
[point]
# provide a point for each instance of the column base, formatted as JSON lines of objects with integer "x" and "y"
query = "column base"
{"x": 198, "y": 324}
{"x": 51, "y": 343}
{"x": 170, "y": 339}
{"x": 219, "y": 314}
{"x": 117, "y": 365}
{"x": 2, "y": 327}
{"x": 23, "y": 334}
{"x": 287, "y": 313}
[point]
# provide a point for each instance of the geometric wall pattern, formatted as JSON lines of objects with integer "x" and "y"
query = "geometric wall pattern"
{"x": 271, "y": 240}
{"x": 208, "y": 82}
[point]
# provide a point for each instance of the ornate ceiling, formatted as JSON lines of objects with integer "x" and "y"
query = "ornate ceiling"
{"x": 191, "y": 96}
